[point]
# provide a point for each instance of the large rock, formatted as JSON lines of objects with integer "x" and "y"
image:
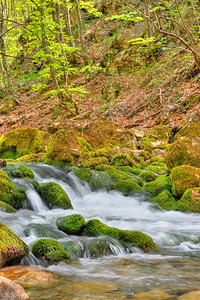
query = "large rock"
{"x": 12, "y": 248}
{"x": 9, "y": 193}
{"x": 184, "y": 177}
{"x": 22, "y": 141}
{"x": 157, "y": 137}
{"x": 183, "y": 151}
{"x": 190, "y": 201}
{"x": 10, "y": 290}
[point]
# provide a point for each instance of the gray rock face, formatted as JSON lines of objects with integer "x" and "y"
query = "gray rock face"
{"x": 10, "y": 290}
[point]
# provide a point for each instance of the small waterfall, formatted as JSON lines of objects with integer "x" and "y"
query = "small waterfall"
{"x": 35, "y": 201}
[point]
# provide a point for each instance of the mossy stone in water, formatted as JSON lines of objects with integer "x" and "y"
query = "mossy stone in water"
{"x": 114, "y": 173}
{"x": 94, "y": 161}
{"x": 127, "y": 186}
{"x": 101, "y": 180}
{"x": 129, "y": 170}
{"x": 166, "y": 200}
{"x": 190, "y": 201}
{"x": 130, "y": 238}
{"x": 84, "y": 174}
{"x": 54, "y": 196}
{"x": 148, "y": 176}
{"x": 156, "y": 187}
{"x": 71, "y": 224}
{"x": 9, "y": 193}
{"x": 22, "y": 172}
{"x": 5, "y": 207}
{"x": 12, "y": 248}
{"x": 51, "y": 250}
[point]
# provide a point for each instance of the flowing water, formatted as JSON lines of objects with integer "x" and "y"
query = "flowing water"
{"x": 121, "y": 272}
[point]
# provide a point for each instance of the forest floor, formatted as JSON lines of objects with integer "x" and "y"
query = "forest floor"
{"x": 163, "y": 87}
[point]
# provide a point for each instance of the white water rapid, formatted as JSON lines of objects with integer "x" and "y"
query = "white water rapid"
{"x": 174, "y": 268}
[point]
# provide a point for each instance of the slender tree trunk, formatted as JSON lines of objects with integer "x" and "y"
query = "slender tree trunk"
{"x": 68, "y": 24}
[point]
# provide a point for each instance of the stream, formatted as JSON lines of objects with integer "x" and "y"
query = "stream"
{"x": 122, "y": 272}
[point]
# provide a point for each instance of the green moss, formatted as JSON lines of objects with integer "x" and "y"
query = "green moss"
{"x": 158, "y": 137}
{"x": 113, "y": 172}
{"x": 191, "y": 130}
{"x": 183, "y": 152}
{"x": 12, "y": 248}
{"x": 101, "y": 180}
{"x": 7, "y": 207}
{"x": 57, "y": 256}
{"x": 71, "y": 224}
{"x": 138, "y": 180}
{"x": 51, "y": 250}
{"x": 54, "y": 196}
{"x": 22, "y": 172}
{"x": 123, "y": 159}
{"x": 190, "y": 201}
{"x": 84, "y": 174}
{"x": 22, "y": 141}
{"x": 166, "y": 200}
{"x": 148, "y": 176}
{"x": 146, "y": 154}
{"x": 107, "y": 151}
{"x": 36, "y": 157}
{"x": 94, "y": 161}
{"x": 130, "y": 171}
{"x": 156, "y": 187}
{"x": 85, "y": 148}
{"x": 131, "y": 238}
{"x": 159, "y": 168}
{"x": 183, "y": 178}
{"x": 156, "y": 159}
{"x": 63, "y": 148}
{"x": 10, "y": 193}
{"x": 127, "y": 186}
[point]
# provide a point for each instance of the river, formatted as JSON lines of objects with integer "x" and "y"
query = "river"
{"x": 124, "y": 272}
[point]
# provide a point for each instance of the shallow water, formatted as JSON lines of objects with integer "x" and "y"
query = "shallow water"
{"x": 121, "y": 274}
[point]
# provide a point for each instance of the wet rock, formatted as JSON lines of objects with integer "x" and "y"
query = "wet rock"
{"x": 190, "y": 296}
{"x": 11, "y": 291}
{"x": 27, "y": 275}
{"x": 2, "y": 163}
{"x": 12, "y": 248}
{"x": 156, "y": 294}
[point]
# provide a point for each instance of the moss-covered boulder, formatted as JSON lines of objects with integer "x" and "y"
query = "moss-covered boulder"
{"x": 84, "y": 174}
{"x": 36, "y": 157}
{"x": 114, "y": 173}
{"x": 190, "y": 130}
{"x": 106, "y": 151}
{"x": 50, "y": 251}
{"x": 165, "y": 200}
{"x": 22, "y": 141}
{"x": 184, "y": 177}
{"x": 54, "y": 196}
{"x": 185, "y": 151}
{"x": 85, "y": 148}
{"x": 129, "y": 238}
{"x": 22, "y": 172}
{"x": 101, "y": 180}
{"x": 105, "y": 133}
{"x": 148, "y": 176}
{"x": 128, "y": 186}
{"x": 9, "y": 193}
{"x": 130, "y": 171}
{"x": 123, "y": 159}
{"x": 157, "y": 137}
{"x": 94, "y": 162}
{"x": 12, "y": 248}
{"x": 158, "y": 168}
{"x": 63, "y": 148}
{"x": 5, "y": 207}
{"x": 190, "y": 201}
{"x": 156, "y": 187}
{"x": 71, "y": 224}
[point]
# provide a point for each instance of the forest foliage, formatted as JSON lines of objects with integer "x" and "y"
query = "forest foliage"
{"x": 50, "y": 34}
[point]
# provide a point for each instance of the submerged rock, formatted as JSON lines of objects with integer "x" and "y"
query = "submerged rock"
{"x": 10, "y": 290}
{"x": 12, "y": 248}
